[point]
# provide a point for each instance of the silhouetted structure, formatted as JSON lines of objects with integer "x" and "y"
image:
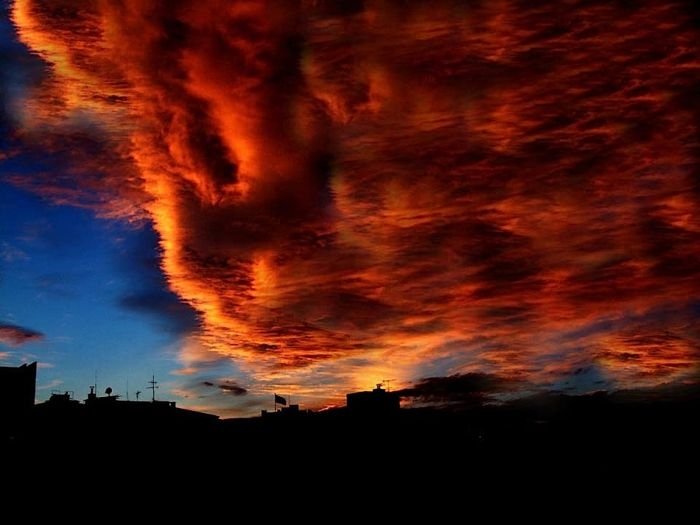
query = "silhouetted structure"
{"x": 61, "y": 399}
{"x": 602, "y": 435}
{"x": 290, "y": 411}
{"x": 61, "y": 421}
{"x": 378, "y": 401}
{"x": 111, "y": 409}
{"x": 17, "y": 388}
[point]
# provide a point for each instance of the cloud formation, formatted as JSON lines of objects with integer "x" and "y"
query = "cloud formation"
{"x": 470, "y": 389}
{"x": 14, "y": 335}
{"x": 382, "y": 187}
{"x": 228, "y": 387}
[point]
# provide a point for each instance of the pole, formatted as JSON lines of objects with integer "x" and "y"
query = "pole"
{"x": 153, "y": 387}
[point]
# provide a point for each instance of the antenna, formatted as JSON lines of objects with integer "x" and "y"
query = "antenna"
{"x": 154, "y": 385}
{"x": 388, "y": 382}
{"x": 138, "y": 393}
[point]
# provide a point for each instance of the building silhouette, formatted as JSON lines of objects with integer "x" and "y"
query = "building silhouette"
{"x": 17, "y": 388}
{"x": 289, "y": 411}
{"x": 112, "y": 409}
{"x": 375, "y": 402}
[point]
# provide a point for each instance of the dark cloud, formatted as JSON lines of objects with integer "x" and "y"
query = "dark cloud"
{"x": 14, "y": 335}
{"x": 462, "y": 389}
{"x": 228, "y": 387}
{"x": 137, "y": 258}
{"x": 172, "y": 314}
{"x": 582, "y": 379}
{"x": 220, "y": 395}
{"x": 233, "y": 389}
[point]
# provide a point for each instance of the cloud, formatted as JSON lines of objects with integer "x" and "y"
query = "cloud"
{"x": 220, "y": 395}
{"x": 462, "y": 389}
{"x": 10, "y": 254}
{"x": 233, "y": 389}
{"x": 50, "y": 385}
{"x": 137, "y": 258}
{"x": 14, "y": 335}
{"x": 174, "y": 315}
{"x": 648, "y": 353}
{"x": 228, "y": 387}
{"x": 486, "y": 187}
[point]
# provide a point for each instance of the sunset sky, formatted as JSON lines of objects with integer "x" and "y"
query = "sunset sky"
{"x": 311, "y": 196}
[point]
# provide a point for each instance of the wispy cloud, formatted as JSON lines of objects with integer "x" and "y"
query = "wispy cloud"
{"x": 14, "y": 335}
{"x": 51, "y": 384}
{"x": 10, "y": 253}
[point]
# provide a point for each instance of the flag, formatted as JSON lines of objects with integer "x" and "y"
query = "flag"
{"x": 280, "y": 400}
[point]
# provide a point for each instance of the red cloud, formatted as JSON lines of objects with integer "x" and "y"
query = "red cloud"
{"x": 400, "y": 187}
{"x": 16, "y": 335}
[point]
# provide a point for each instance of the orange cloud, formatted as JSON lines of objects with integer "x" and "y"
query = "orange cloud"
{"x": 375, "y": 188}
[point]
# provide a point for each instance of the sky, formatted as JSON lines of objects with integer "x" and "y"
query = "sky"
{"x": 310, "y": 197}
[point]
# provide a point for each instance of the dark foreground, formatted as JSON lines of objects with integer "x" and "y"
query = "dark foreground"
{"x": 603, "y": 438}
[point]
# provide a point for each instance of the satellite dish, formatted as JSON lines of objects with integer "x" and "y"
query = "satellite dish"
{"x": 108, "y": 391}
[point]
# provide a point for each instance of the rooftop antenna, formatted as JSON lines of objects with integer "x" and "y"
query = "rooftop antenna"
{"x": 154, "y": 385}
{"x": 388, "y": 382}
